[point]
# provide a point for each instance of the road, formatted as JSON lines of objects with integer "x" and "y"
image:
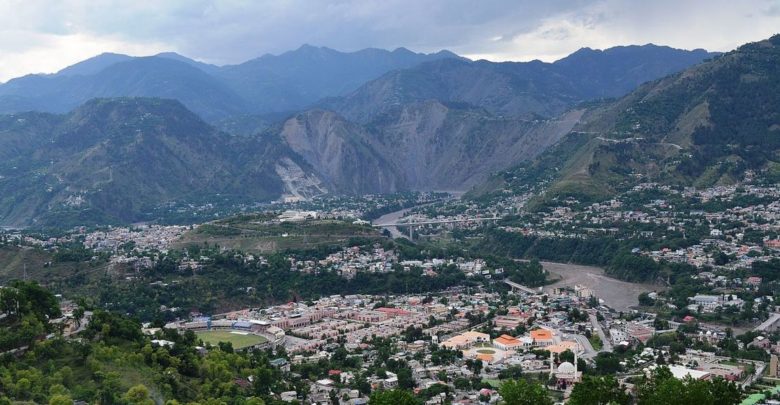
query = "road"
{"x": 769, "y": 324}
{"x": 588, "y": 351}
{"x": 520, "y": 287}
{"x": 378, "y": 224}
{"x": 606, "y": 344}
{"x": 626, "y": 140}
{"x": 390, "y": 222}
{"x": 82, "y": 325}
{"x": 392, "y": 218}
{"x": 756, "y": 376}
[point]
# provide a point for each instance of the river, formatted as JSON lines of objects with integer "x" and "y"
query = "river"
{"x": 617, "y": 294}
{"x": 392, "y": 218}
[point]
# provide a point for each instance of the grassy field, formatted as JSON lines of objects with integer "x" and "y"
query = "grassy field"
{"x": 238, "y": 341}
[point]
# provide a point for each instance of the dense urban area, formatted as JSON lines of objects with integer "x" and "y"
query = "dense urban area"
{"x": 658, "y": 295}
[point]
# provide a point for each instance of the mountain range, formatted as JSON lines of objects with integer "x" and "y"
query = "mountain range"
{"x": 707, "y": 125}
{"x": 518, "y": 89}
{"x": 111, "y": 160}
{"x": 270, "y": 83}
{"x": 366, "y": 122}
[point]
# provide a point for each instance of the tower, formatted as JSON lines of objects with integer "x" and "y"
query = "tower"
{"x": 552, "y": 365}
{"x": 575, "y": 363}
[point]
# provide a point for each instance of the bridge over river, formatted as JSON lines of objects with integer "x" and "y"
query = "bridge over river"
{"x": 771, "y": 324}
{"x": 392, "y": 224}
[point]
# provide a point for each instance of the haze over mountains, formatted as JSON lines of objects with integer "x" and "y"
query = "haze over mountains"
{"x": 524, "y": 89}
{"x": 311, "y": 121}
{"x": 266, "y": 84}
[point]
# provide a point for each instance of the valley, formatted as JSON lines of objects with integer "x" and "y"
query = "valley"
{"x": 389, "y": 219}
{"x": 274, "y": 231}
{"x": 298, "y": 279}
{"x": 351, "y": 138}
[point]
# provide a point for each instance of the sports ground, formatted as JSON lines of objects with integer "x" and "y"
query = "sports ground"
{"x": 239, "y": 340}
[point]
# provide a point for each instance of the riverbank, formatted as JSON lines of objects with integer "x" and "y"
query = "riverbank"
{"x": 393, "y": 217}
{"x": 617, "y": 294}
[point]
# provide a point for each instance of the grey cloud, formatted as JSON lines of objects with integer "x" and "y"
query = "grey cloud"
{"x": 231, "y": 31}
{"x": 234, "y": 30}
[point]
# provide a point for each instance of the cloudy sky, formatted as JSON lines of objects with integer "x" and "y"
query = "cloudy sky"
{"x": 47, "y": 35}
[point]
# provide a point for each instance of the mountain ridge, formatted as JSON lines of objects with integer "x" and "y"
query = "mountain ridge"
{"x": 114, "y": 160}
{"x": 271, "y": 83}
{"x": 454, "y": 123}
{"x": 298, "y": 79}
{"x": 707, "y": 125}
{"x": 518, "y": 89}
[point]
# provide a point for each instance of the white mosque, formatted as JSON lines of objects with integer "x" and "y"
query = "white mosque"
{"x": 566, "y": 374}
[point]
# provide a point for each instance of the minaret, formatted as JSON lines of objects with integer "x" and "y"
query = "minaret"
{"x": 552, "y": 365}
{"x": 575, "y": 364}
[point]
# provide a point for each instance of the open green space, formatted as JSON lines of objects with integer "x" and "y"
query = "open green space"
{"x": 239, "y": 341}
{"x": 757, "y": 397}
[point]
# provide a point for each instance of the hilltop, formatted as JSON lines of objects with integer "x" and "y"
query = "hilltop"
{"x": 113, "y": 160}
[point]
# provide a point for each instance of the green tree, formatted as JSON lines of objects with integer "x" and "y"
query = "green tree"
{"x": 599, "y": 391}
{"x": 60, "y": 399}
{"x": 138, "y": 395}
{"x": 511, "y": 372}
{"x": 521, "y": 392}
{"x": 607, "y": 363}
{"x": 644, "y": 299}
{"x": 405, "y": 379}
{"x": 663, "y": 388}
{"x": 393, "y": 397}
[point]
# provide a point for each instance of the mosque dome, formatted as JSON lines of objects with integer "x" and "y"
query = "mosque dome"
{"x": 566, "y": 368}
